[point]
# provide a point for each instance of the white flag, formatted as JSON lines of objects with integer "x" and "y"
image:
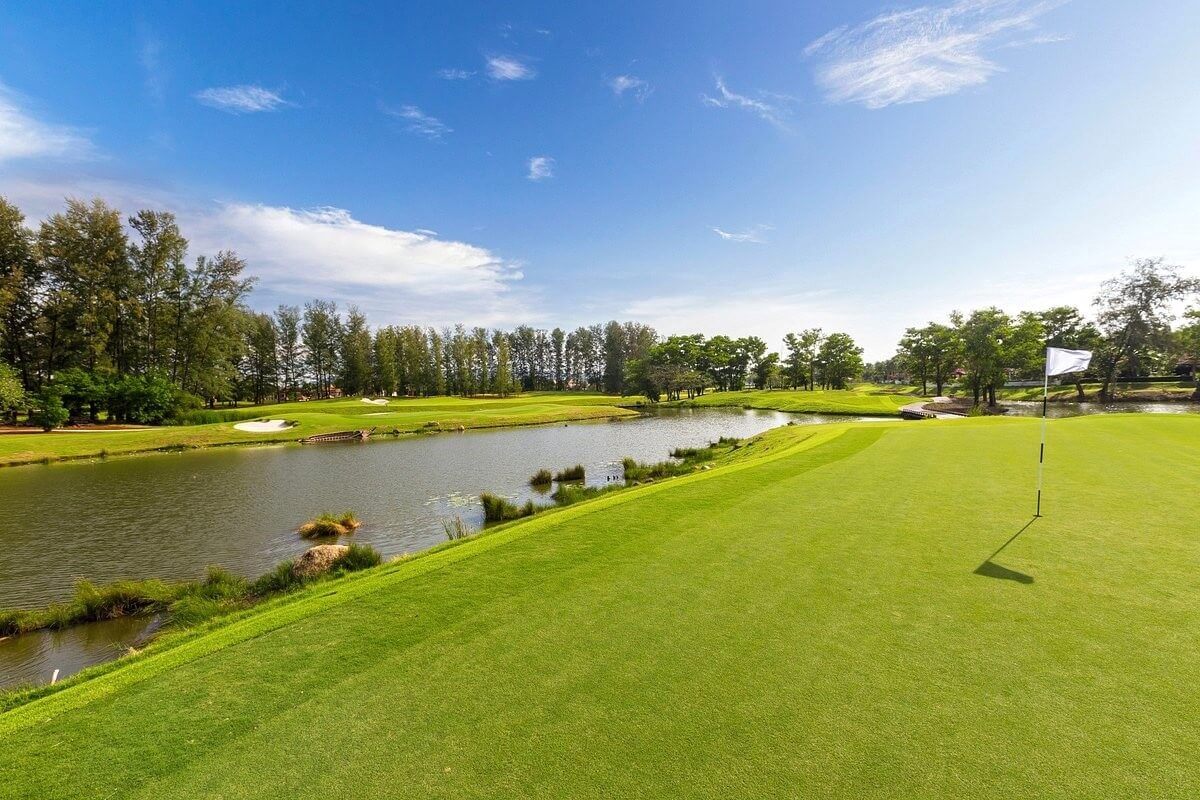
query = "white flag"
{"x": 1059, "y": 361}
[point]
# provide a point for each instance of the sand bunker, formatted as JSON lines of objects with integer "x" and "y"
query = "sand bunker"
{"x": 380, "y": 402}
{"x": 269, "y": 426}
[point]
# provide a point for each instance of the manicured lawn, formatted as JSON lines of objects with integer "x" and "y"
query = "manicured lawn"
{"x": 809, "y": 621}
{"x": 324, "y": 416}
{"x": 860, "y": 401}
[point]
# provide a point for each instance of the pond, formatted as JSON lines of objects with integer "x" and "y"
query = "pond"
{"x": 1020, "y": 408}
{"x": 170, "y": 515}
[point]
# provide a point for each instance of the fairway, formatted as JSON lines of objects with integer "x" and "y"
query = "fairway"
{"x": 864, "y": 400}
{"x": 403, "y": 414}
{"x": 818, "y": 619}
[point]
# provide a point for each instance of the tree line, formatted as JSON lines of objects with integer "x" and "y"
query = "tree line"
{"x": 105, "y": 316}
{"x": 1129, "y": 333}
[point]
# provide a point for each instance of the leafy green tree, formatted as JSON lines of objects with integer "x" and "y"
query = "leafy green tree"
{"x": 983, "y": 336}
{"x": 12, "y": 392}
{"x": 766, "y": 371}
{"x": 321, "y": 333}
{"x": 915, "y": 352}
{"x": 504, "y": 380}
{"x": 840, "y": 360}
{"x": 1187, "y": 343}
{"x": 1065, "y": 326}
{"x": 262, "y": 357}
{"x": 157, "y": 260}
{"x": 355, "y": 345}
{"x": 290, "y": 350}
{"x": 49, "y": 412}
{"x": 1134, "y": 314}
{"x": 20, "y": 278}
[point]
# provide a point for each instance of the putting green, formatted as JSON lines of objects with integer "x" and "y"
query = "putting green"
{"x": 817, "y": 619}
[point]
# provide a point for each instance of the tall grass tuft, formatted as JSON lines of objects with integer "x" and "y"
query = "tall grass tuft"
{"x": 571, "y": 493}
{"x": 330, "y": 525}
{"x": 357, "y": 557}
{"x": 575, "y": 473}
{"x": 499, "y": 509}
{"x": 541, "y": 478}
{"x": 455, "y": 529}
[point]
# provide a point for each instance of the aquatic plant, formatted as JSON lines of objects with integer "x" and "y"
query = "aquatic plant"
{"x": 541, "y": 478}
{"x": 455, "y": 529}
{"x": 328, "y": 525}
{"x": 575, "y": 473}
{"x": 499, "y": 509}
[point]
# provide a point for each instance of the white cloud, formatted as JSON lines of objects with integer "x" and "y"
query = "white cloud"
{"x": 418, "y": 121}
{"x": 927, "y": 52}
{"x": 327, "y": 247}
{"x": 245, "y": 99}
{"x": 455, "y": 74}
{"x": 509, "y": 68}
{"x": 540, "y": 168}
{"x": 636, "y": 87}
{"x": 752, "y": 235}
{"x": 24, "y": 136}
{"x": 765, "y": 105}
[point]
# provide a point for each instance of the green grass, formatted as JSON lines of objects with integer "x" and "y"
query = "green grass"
{"x": 866, "y": 400}
{"x": 806, "y": 620}
{"x": 1091, "y": 391}
{"x": 405, "y": 415}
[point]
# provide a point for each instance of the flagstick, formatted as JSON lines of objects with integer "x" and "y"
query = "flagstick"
{"x": 1042, "y": 450}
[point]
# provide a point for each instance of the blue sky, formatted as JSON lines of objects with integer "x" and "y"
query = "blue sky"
{"x": 755, "y": 168}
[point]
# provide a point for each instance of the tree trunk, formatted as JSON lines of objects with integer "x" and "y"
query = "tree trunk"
{"x": 1079, "y": 390}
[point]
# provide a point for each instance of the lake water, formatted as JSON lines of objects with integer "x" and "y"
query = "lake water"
{"x": 1058, "y": 410}
{"x": 170, "y": 515}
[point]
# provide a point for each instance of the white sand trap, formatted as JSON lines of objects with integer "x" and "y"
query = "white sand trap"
{"x": 380, "y": 402}
{"x": 270, "y": 426}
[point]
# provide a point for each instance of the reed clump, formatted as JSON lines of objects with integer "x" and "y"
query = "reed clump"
{"x": 575, "y": 473}
{"x": 499, "y": 509}
{"x": 455, "y": 529}
{"x": 329, "y": 525}
{"x": 541, "y": 478}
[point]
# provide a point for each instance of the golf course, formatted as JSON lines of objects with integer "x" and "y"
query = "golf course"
{"x": 412, "y": 415}
{"x": 860, "y": 609}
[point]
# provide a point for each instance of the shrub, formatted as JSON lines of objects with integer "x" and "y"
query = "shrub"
{"x": 359, "y": 556}
{"x": 50, "y": 412}
{"x": 499, "y": 509}
{"x": 145, "y": 399}
{"x": 571, "y": 493}
{"x": 541, "y": 478}
{"x": 575, "y": 473}
{"x": 277, "y": 581}
{"x": 208, "y": 416}
{"x": 330, "y": 525}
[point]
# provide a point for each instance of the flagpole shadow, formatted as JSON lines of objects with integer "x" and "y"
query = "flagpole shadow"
{"x": 991, "y": 569}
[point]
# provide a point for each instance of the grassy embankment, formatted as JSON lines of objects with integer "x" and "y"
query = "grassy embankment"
{"x": 865, "y": 400}
{"x": 1129, "y": 392}
{"x": 826, "y": 616}
{"x": 323, "y": 416}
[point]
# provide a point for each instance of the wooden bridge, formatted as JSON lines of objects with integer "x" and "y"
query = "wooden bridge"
{"x": 340, "y": 436}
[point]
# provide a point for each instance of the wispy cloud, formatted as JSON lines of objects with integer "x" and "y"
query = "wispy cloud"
{"x": 927, "y": 52}
{"x": 636, "y": 87}
{"x": 766, "y": 105}
{"x": 540, "y": 168}
{"x": 456, "y": 74}
{"x": 418, "y": 121}
{"x": 244, "y": 99}
{"x": 22, "y": 136}
{"x": 754, "y": 234}
{"x": 150, "y": 52}
{"x": 509, "y": 68}
{"x": 328, "y": 246}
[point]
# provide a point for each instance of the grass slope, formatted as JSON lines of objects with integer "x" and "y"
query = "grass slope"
{"x": 859, "y": 401}
{"x": 808, "y": 621}
{"x": 322, "y": 416}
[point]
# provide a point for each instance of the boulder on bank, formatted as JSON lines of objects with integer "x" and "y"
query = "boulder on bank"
{"x": 316, "y": 560}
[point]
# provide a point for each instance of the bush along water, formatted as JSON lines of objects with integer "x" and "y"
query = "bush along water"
{"x": 182, "y": 602}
